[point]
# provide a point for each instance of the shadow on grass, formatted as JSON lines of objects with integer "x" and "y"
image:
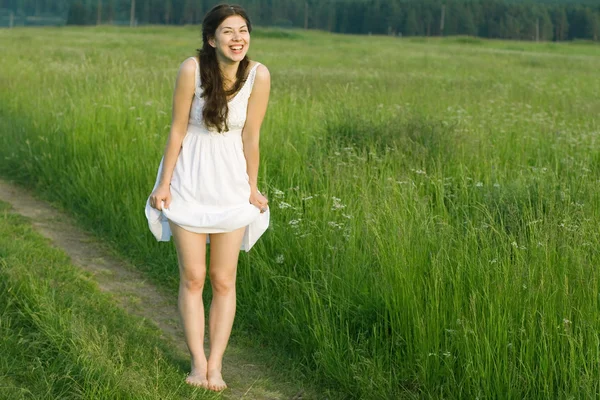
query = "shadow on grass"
{"x": 416, "y": 137}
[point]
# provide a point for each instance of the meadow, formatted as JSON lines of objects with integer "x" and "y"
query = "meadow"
{"x": 61, "y": 338}
{"x": 434, "y": 201}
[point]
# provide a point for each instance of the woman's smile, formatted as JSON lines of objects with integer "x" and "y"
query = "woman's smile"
{"x": 237, "y": 48}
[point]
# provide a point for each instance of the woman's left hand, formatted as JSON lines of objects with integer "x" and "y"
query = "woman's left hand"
{"x": 258, "y": 200}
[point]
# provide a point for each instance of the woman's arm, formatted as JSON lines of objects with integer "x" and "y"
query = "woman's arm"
{"x": 257, "y": 107}
{"x": 182, "y": 101}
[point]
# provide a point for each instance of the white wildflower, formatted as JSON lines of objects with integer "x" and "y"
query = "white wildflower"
{"x": 337, "y": 203}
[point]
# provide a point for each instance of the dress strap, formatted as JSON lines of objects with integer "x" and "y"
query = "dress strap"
{"x": 197, "y": 77}
{"x": 252, "y": 75}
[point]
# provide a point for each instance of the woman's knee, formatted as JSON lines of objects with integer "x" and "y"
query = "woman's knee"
{"x": 222, "y": 284}
{"x": 193, "y": 279}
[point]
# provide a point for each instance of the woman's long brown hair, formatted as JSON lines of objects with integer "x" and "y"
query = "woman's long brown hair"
{"x": 215, "y": 96}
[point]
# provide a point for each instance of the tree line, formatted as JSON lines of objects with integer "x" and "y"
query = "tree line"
{"x": 530, "y": 20}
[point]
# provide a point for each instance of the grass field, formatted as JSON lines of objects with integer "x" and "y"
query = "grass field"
{"x": 61, "y": 338}
{"x": 435, "y": 202}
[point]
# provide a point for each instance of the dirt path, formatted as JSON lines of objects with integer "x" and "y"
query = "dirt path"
{"x": 245, "y": 377}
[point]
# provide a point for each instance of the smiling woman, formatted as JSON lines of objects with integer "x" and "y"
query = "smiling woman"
{"x": 206, "y": 188}
{"x": 223, "y": 61}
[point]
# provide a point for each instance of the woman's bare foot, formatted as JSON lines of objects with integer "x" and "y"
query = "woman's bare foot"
{"x": 198, "y": 375}
{"x": 197, "y": 378}
{"x": 215, "y": 380}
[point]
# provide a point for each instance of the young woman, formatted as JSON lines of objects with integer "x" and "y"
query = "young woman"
{"x": 206, "y": 188}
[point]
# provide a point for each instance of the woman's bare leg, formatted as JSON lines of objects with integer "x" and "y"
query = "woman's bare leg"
{"x": 224, "y": 252}
{"x": 191, "y": 253}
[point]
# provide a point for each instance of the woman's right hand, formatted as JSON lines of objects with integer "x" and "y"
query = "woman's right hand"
{"x": 159, "y": 195}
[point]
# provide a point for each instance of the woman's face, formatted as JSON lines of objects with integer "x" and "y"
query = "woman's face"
{"x": 231, "y": 40}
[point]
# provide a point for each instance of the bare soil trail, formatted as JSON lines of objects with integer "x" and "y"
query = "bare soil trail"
{"x": 245, "y": 376}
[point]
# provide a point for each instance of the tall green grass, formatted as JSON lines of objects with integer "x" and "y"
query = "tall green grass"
{"x": 61, "y": 338}
{"x": 434, "y": 203}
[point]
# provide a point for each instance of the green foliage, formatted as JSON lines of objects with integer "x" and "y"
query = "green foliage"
{"x": 61, "y": 337}
{"x": 78, "y": 14}
{"x": 556, "y": 20}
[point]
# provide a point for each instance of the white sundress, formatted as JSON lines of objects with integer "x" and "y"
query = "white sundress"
{"x": 210, "y": 187}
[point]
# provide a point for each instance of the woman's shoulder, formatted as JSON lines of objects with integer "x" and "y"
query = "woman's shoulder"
{"x": 187, "y": 76}
{"x": 256, "y": 64}
{"x": 188, "y": 66}
{"x": 262, "y": 75}
{"x": 262, "y": 72}
{"x": 190, "y": 63}
{"x": 189, "y": 70}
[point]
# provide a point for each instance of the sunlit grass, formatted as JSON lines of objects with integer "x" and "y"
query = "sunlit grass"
{"x": 434, "y": 201}
{"x": 60, "y": 337}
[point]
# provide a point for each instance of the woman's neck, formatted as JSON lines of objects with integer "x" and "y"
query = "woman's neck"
{"x": 229, "y": 70}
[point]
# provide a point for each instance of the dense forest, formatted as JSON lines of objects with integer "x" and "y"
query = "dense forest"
{"x": 526, "y": 20}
